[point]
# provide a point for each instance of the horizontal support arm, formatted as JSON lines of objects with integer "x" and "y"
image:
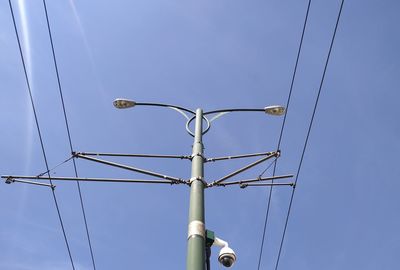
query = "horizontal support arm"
{"x": 260, "y": 179}
{"x": 273, "y": 154}
{"x": 130, "y": 155}
{"x": 239, "y": 156}
{"x": 130, "y": 168}
{"x": 14, "y": 178}
{"x": 267, "y": 185}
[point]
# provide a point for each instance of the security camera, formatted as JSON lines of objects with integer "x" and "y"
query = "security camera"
{"x": 227, "y": 256}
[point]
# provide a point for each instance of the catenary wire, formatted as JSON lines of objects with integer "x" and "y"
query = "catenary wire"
{"x": 281, "y": 133}
{"x": 308, "y": 133}
{"x": 40, "y": 135}
{"x": 69, "y": 134}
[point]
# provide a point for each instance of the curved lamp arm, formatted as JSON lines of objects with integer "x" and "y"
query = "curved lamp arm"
{"x": 275, "y": 110}
{"x": 272, "y": 110}
{"x": 121, "y": 103}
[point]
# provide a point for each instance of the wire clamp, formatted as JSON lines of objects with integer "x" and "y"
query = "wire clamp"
{"x": 199, "y": 178}
{"x": 198, "y": 155}
{"x": 10, "y": 180}
{"x": 196, "y": 178}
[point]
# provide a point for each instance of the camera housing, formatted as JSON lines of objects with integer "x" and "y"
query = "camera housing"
{"x": 227, "y": 256}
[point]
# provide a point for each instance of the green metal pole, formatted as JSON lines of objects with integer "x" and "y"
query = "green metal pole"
{"x": 196, "y": 230}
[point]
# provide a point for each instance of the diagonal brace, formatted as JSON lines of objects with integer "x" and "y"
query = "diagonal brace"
{"x": 239, "y": 156}
{"x": 130, "y": 168}
{"x": 11, "y": 179}
{"x": 251, "y": 165}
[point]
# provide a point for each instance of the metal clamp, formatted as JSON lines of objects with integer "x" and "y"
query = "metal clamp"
{"x": 199, "y": 179}
{"x": 197, "y": 155}
{"x": 10, "y": 180}
{"x": 196, "y": 228}
{"x": 196, "y": 178}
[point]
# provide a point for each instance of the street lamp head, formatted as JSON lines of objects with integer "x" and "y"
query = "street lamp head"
{"x": 275, "y": 110}
{"x": 121, "y": 103}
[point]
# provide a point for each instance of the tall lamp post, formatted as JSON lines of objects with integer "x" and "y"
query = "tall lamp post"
{"x": 199, "y": 239}
{"x": 196, "y": 247}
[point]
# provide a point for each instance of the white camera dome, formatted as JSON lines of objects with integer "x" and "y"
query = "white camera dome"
{"x": 227, "y": 256}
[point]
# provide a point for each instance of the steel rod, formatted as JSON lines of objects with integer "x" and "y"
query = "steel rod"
{"x": 266, "y": 185}
{"x": 239, "y": 156}
{"x": 131, "y": 155}
{"x": 242, "y": 169}
{"x": 131, "y": 168}
{"x": 91, "y": 179}
{"x": 255, "y": 180}
{"x": 10, "y": 180}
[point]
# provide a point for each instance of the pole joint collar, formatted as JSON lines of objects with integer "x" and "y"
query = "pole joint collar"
{"x": 199, "y": 154}
{"x": 196, "y": 227}
{"x": 199, "y": 178}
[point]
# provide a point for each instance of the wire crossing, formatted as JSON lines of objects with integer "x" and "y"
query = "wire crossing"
{"x": 68, "y": 133}
{"x": 40, "y": 135}
{"x": 281, "y": 132}
{"x": 308, "y": 132}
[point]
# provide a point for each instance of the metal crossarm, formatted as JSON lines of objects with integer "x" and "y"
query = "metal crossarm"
{"x": 130, "y": 155}
{"x": 260, "y": 179}
{"x": 240, "y": 156}
{"x": 130, "y": 168}
{"x": 267, "y": 184}
{"x": 14, "y": 178}
{"x": 272, "y": 154}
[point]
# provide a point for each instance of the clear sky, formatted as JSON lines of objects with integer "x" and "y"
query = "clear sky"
{"x": 210, "y": 55}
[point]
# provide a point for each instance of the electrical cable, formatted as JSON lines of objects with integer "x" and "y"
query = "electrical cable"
{"x": 69, "y": 134}
{"x": 281, "y": 132}
{"x": 308, "y": 134}
{"x": 40, "y": 135}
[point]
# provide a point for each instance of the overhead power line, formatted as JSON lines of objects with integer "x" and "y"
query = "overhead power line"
{"x": 69, "y": 134}
{"x": 40, "y": 135}
{"x": 308, "y": 133}
{"x": 281, "y": 132}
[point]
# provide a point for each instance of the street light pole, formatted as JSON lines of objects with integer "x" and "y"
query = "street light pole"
{"x": 196, "y": 228}
{"x": 197, "y": 238}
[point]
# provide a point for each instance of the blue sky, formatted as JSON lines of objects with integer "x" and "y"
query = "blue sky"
{"x": 208, "y": 54}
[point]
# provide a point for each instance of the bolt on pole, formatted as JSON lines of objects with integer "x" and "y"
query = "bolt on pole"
{"x": 196, "y": 258}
